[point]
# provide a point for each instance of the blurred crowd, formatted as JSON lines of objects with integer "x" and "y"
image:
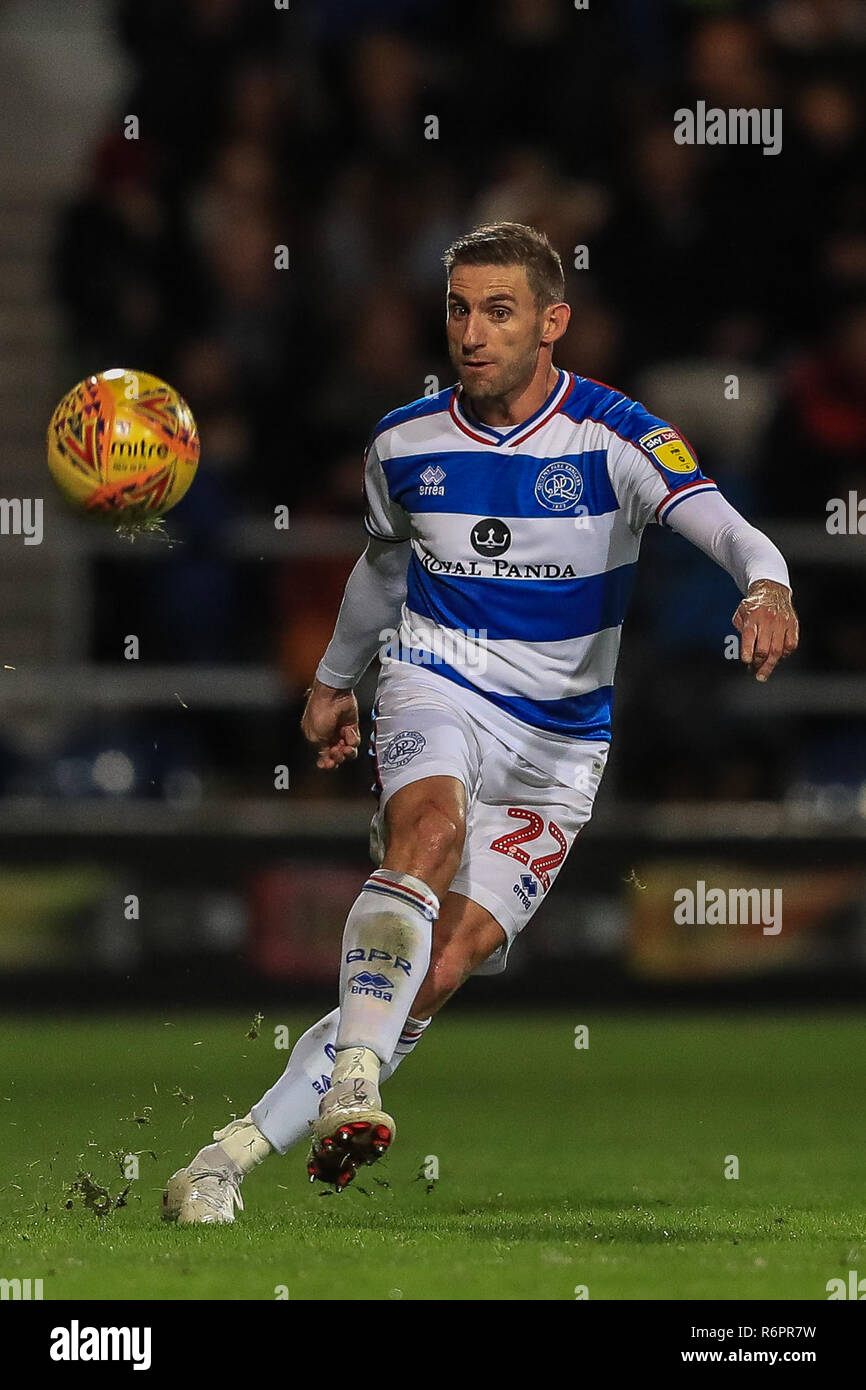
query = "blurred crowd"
{"x": 307, "y": 129}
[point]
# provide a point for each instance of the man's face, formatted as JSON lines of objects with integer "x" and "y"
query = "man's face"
{"x": 494, "y": 329}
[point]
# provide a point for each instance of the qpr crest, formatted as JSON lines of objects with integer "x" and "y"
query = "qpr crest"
{"x": 559, "y": 486}
{"x": 403, "y": 747}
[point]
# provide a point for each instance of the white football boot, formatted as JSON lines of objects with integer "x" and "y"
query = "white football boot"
{"x": 208, "y": 1189}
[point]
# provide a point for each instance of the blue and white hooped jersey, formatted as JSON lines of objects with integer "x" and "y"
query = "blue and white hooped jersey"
{"x": 524, "y": 544}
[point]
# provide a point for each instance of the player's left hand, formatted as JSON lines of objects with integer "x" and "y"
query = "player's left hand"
{"x": 768, "y": 627}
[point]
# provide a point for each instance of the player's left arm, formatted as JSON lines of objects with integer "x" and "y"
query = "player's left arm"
{"x": 657, "y": 478}
{"x": 765, "y": 619}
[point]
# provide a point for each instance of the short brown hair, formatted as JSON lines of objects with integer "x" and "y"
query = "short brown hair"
{"x": 512, "y": 243}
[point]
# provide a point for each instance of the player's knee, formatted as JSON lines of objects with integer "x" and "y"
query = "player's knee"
{"x": 429, "y": 834}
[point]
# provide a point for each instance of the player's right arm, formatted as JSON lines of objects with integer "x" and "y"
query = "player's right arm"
{"x": 371, "y": 609}
{"x": 371, "y": 606}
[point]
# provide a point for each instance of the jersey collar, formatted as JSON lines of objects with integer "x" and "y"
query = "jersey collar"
{"x": 486, "y": 434}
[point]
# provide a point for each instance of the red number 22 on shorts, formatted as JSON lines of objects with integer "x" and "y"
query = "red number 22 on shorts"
{"x": 509, "y": 843}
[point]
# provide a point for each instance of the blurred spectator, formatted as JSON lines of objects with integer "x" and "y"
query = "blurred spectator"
{"x": 121, "y": 256}
{"x": 815, "y": 448}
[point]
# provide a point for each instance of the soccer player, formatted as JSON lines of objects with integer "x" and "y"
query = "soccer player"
{"x": 505, "y": 516}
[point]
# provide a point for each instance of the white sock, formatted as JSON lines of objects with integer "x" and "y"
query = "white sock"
{"x": 244, "y": 1143}
{"x": 285, "y": 1112}
{"x": 408, "y": 1041}
{"x": 385, "y": 955}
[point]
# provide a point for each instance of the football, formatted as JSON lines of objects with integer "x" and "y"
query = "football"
{"x": 123, "y": 444}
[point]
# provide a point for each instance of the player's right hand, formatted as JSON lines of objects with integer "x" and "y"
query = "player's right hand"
{"x": 330, "y": 722}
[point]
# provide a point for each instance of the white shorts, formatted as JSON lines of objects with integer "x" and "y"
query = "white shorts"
{"x": 520, "y": 822}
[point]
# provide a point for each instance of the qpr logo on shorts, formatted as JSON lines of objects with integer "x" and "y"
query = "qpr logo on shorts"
{"x": 403, "y": 747}
{"x": 559, "y": 486}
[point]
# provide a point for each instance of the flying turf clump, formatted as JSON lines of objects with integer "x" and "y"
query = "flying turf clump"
{"x": 94, "y": 1197}
{"x": 130, "y": 528}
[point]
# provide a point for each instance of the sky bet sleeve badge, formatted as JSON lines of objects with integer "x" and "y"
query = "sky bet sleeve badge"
{"x": 668, "y": 449}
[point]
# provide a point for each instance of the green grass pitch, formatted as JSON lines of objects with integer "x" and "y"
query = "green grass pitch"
{"x": 602, "y": 1167}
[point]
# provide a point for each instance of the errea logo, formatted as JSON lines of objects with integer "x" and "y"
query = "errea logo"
{"x": 377, "y": 981}
{"x": 377, "y": 986}
{"x": 432, "y": 480}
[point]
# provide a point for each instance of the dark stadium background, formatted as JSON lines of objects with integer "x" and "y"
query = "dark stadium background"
{"x": 305, "y": 128}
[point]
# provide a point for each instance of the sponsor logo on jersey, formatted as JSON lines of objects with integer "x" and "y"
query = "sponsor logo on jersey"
{"x": 498, "y": 569}
{"x": 670, "y": 451}
{"x": 403, "y": 747}
{"x": 504, "y": 569}
{"x": 559, "y": 486}
{"x": 432, "y": 481}
{"x": 433, "y": 565}
{"x": 490, "y": 536}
